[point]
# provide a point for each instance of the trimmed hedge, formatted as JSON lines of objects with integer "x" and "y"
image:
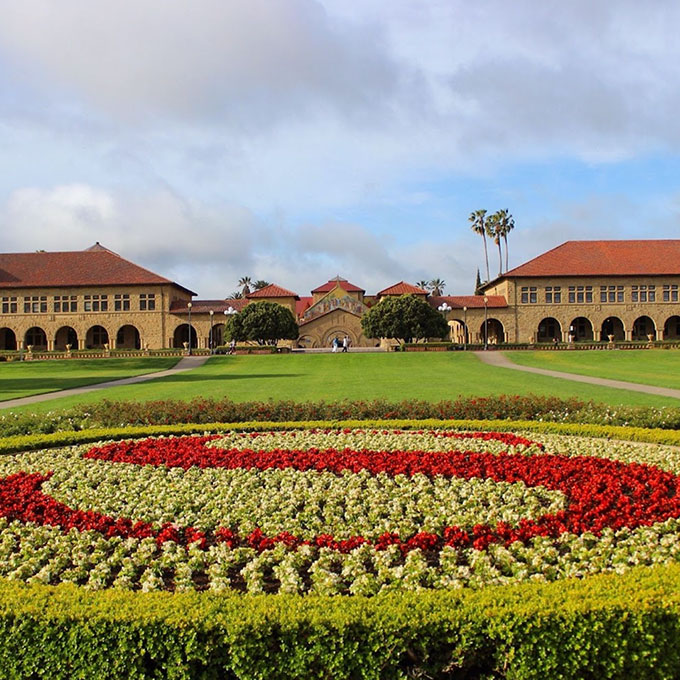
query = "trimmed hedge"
{"x": 606, "y": 626}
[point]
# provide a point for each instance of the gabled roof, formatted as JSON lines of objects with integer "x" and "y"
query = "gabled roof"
{"x": 338, "y": 281}
{"x": 303, "y": 304}
{"x": 605, "y": 258}
{"x": 402, "y": 288}
{"x": 469, "y": 301}
{"x": 272, "y": 291}
{"x": 96, "y": 266}
{"x": 304, "y": 322}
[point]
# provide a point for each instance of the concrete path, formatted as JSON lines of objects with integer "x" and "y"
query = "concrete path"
{"x": 498, "y": 359}
{"x": 184, "y": 364}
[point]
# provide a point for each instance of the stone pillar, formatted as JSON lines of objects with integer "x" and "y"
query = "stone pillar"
{"x": 629, "y": 335}
{"x": 597, "y": 335}
{"x": 81, "y": 342}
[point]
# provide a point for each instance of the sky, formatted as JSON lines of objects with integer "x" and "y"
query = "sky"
{"x": 297, "y": 140}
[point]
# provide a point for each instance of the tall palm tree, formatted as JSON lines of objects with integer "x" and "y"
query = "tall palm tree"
{"x": 507, "y": 224}
{"x": 260, "y": 284}
{"x": 245, "y": 282}
{"x": 494, "y": 229}
{"x": 236, "y": 295}
{"x": 437, "y": 287}
{"x": 479, "y": 227}
{"x": 425, "y": 285}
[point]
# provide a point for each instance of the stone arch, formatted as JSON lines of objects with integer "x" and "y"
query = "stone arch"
{"x": 65, "y": 336}
{"x": 307, "y": 341}
{"x": 8, "y": 339}
{"x": 217, "y": 337}
{"x": 459, "y": 331}
{"x": 36, "y": 337}
{"x": 96, "y": 337}
{"x": 643, "y": 327}
{"x": 613, "y": 326}
{"x": 671, "y": 329}
{"x": 128, "y": 337}
{"x": 181, "y": 335}
{"x": 549, "y": 330}
{"x": 338, "y": 332}
{"x": 581, "y": 330}
{"x": 495, "y": 330}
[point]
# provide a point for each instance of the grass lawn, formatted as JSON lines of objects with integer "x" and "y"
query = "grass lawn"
{"x": 331, "y": 377}
{"x": 24, "y": 378}
{"x": 649, "y": 367}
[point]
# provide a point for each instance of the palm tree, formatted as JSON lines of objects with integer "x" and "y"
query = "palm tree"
{"x": 494, "y": 230}
{"x": 260, "y": 283}
{"x": 245, "y": 283}
{"x": 236, "y": 295}
{"x": 437, "y": 287}
{"x": 507, "y": 224}
{"x": 479, "y": 227}
{"x": 425, "y": 285}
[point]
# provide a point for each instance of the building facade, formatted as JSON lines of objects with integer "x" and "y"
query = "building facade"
{"x": 581, "y": 291}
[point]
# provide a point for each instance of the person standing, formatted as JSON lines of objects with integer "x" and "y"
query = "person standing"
{"x": 335, "y": 344}
{"x": 345, "y": 344}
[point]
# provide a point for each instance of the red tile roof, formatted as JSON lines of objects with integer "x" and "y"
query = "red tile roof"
{"x": 605, "y": 258}
{"x": 302, "y": 304}
{"x": 402, "y": 288}
{"x": 469, "y": 301}
{"x": 338, "y": 281}
{"x": 272, "y": 291}
{"x": 96, "y": 266}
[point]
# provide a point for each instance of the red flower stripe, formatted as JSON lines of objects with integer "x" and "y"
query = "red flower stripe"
{"x": 600, "y": 493}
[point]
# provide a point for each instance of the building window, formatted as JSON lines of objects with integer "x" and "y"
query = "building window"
{"x": 9, "y": 305}
{"x": 121, "y": 303}
{"x": 643, "y": 294}
{"x": 96, "y": 303}
{"x": 670, "y": 293}
{"x": 553, "y": 295}
{"x": 611, "y": 293}
{"x": 65, "y": 303}
{"x": 147, "y": 302}
{"x": 35, "y": 304}
{"x": 529, "y": 295}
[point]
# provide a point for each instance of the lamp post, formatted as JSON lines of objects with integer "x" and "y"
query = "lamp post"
{"x": 464, "y": 329}
{"x": 189, "y": 307}
{"x": 229, "y": 312}
{"x": 445, "y": 309}
{"x": 486, "y": 323}
{"x": 210, "y": 339}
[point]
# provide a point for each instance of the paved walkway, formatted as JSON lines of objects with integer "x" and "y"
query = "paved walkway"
{"x": 184, "y": 364}
{"x": 498, "y": 359}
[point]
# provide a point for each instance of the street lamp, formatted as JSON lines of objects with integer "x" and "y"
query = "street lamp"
{"x": 229, "y": 312}
{"x": 445, "y": 309}
{"x": 486, "y": 323}
{"x": 464, "y": 328}
{"x": 189, "y": 306}
{"x": 210, "y": 340}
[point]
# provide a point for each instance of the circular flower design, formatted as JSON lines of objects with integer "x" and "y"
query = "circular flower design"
{"x": 331, "y": 511}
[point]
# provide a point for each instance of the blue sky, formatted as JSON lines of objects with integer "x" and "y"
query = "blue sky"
{"x": 293, "y": 140}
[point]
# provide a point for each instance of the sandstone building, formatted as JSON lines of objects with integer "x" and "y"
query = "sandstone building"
{"x": 580, "y": 290}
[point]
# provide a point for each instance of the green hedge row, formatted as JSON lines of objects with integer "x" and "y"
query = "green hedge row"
{"x": 603, "y": 627}
{"x": 33, "y": 442}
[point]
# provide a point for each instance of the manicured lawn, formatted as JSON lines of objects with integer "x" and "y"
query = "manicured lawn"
{"x": 649, "y": 367}
{"x": 22, "y": 379}
{"x": 331, "y": 377}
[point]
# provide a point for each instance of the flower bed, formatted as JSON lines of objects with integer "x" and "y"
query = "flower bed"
{"x": 336, "y": 511}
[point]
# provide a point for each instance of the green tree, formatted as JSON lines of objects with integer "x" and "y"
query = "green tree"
{"x": 478, "y": 283}
{"x": 425, "y": 285}
{"x": 404, "y": 318}
{"x": 505, "y": 224}
{"x": 264, "y": 322}
{"x": 477, "y": 218}
{"x": 260, "y": 284}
